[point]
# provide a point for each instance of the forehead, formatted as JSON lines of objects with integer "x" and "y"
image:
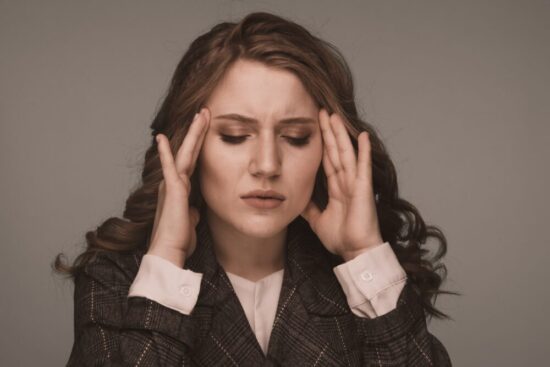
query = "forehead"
{"x": 254, "y": 89}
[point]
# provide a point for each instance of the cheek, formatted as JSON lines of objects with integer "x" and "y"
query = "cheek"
{"x": 211, "y": 169}
{"x": 313, "y": 157}
{"x": 218, "y": 154}
{"x": 304, "y": 172}
{"x": 218, "y": 170}
{"x": 214, "y": 157}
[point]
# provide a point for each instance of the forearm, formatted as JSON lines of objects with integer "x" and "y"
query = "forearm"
{"x": 113, "y": 329}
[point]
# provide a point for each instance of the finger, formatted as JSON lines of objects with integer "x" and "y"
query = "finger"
{"x": 158, "y": 210}
{"x": 345, "y": 150}
{"x": 185, "y": 152}
{"x": 332, "y": 148}
{"x": 166, "y": 159}
{"x": 332, "y": 177}
{"x": 364, "y": 163}
{"x": 327, "y": 164}
{"x": 330, "y": 172}
{"x": 198, "y": 146}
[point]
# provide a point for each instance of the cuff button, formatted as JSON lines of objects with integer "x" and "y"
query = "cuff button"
{"x": 185, "y": 290}
{"x": 366, "y": 276}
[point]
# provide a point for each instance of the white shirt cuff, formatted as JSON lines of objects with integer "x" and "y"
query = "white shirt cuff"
{"x": 372, "y": 281}
{"x": 166, "y": 283}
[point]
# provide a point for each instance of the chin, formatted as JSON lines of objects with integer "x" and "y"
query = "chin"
{"x": 263, "y": 226}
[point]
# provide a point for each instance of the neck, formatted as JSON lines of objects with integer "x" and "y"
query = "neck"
{"x": 249, "y": 257}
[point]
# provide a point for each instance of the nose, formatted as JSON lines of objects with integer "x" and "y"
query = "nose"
{"x": 266, "y": 160}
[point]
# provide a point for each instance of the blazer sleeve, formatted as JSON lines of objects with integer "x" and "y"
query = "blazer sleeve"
{"x": 112, "y": 329}
{"x": 388, "y": 311}
{"x": 401, "y": 337}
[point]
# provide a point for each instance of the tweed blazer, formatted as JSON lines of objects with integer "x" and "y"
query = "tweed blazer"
{"x": 314, "y": 325}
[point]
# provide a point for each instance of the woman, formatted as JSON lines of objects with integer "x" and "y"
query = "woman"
{"x": 268, "y": 228}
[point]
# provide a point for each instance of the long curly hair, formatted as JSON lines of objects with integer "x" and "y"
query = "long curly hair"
{"x": 279, "y": 43}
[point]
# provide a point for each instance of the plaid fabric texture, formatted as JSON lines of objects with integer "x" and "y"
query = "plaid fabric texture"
{"x": 314, "y": 325}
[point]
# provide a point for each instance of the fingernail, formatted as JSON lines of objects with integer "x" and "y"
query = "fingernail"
{"x": 196, "y": 115}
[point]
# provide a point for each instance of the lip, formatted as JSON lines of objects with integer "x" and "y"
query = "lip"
{"x": 258, "y": 203}
{"x": 272, "y": 194}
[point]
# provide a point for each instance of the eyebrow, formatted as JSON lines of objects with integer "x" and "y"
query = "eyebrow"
{"x": 250, "y": 120}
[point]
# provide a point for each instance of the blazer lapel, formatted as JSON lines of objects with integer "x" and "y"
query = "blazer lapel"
{"x": 224, "y": 334}
{"x": 309, "y": 302}
{"x": 310, "y": 305}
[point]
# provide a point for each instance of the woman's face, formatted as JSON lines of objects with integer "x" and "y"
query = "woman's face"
{"x": 266, "y": 157}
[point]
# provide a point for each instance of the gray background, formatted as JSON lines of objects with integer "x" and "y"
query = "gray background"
{"x": 458, "y": 91}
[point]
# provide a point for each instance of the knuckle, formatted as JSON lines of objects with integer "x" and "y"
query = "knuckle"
{"x": 185, "y": 179}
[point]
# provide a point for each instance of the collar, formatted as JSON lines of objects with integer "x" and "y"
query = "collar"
{"x": 308, "y": 267}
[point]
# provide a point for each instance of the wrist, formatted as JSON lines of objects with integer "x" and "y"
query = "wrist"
{"x": 177, "y": 257}
{"x": 350, "y": 255}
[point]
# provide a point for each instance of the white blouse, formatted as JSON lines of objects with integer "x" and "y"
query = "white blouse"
{"x": 259, "y": 300}
{"x": 372, "y": 283}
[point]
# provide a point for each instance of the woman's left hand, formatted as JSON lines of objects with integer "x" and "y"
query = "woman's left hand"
{"x": 349, "y": 224}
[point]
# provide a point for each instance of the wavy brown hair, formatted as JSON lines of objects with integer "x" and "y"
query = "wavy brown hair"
{"x": 279, "y": 43}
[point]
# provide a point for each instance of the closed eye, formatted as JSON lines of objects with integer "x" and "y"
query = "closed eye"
{"x": 239, "y": 139}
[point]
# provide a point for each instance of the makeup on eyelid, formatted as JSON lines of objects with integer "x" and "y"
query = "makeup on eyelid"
{"x": 237, "y": 139}
{"x": 295, "y": 136}
{"x": 239, "y": 126}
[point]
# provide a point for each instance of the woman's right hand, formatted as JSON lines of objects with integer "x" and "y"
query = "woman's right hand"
{"x": 173, "y": 236}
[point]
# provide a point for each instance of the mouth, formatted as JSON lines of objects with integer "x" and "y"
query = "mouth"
{"x": 264, "y": 194}
{"x": 263, "y": 202}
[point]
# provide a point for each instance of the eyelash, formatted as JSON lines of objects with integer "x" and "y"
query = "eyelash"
{"x": 239, "y": 139}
